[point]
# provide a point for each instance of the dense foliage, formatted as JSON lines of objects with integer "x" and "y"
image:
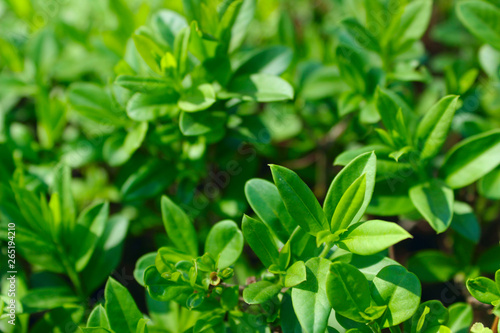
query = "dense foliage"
{"x": 250, "y": 166}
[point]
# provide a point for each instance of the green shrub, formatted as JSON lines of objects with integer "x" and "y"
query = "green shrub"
{"x": 250, "y": 166}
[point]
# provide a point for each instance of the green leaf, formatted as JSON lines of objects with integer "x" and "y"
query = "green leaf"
{"x": 142, "y": 263}
{"x": 483, "y": 289}
{"x": 147, "y": 107}
{"x": 94, "y": 102}
{"x": 352, "y": 68}
{"x": 299, "y": 200}
{"x": 361, "y": 35}
{"x": 204, "y": 122}
{"x": 240, "y": 26}
{"x": 481, "y": 19}
{"x": 260, "y": 88}
{"x": 433, "y": 130}
{"x": 228, "y": 14}
{"x": 285, "y": 255}
{"x": 210, "y": 322}
{"x": 260, "y": 292}
{"x": 489, "y": 260}
{"x": 150, "y": 51}
{"x": 146, "y": 85}
{"x": 400, "y": 290}
{"x": 179, "y": 228}
{"x": 224, "y": 243}
{"x": 122, "y": 311}
{"x": 310, "y": 300}
{"x": 265, "y": 200}
{"x": 195, "y": 300}
{"x": 497, "y": 279}
{"x": 289, "y": 321}
{"x": 167, "y": 257}
{"x": 489, "y": 185}
{"x": 62, "y": 186}
{"x": 107, "y": 253}
{"x": 434, "y": 201}
{"x": 465, "y": 222}
{"x": 388, "y": 107}
{"x": 438, "y": 329}
{"x": 98, "y": 318}
{"x": 363, "y": 164}
{"x": 48, "y": 298}
{"x": 429, "y": 314}
{"x": 181, "y": 45}
{"x": 87, "y": 231}
{"x": 272, "y": 60}
{"x": 169, "y": 23}
{"x": 95, "y": 330}
{"x": 259, "y": 238}
{"x": 433, "y": 266}
{"x": 370, "y": 237}
{"x": 230, "y": 297}
{"x": 348, "y": 291}
{"x": 295, "y": 274}
{"x": 119, "y": 147}
{"x": 471, "y": 159}
{"x": 149, "y": 180}
{"x": 370, "y": 266}
{"x": 142, "y": 326}
{"x": 164, "y": 290}
{"x": 349, "y": 205}
{"x": 412, "y": 25}
{"x": 198, "y": 98}
{"x": 460, "y": 317}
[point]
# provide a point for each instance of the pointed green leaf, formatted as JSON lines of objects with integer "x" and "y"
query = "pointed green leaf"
{"x": 483, "y": 289}
{"x": 260, "y": 292}
{"x": 142, "y": 263}
{"x": 349, "y": 205}
{"x": 98, "y": 318}
{"x": 146, "y": 107}
{"x": 434, "y": 201}
{"x": 164, "y": 290}
{"x": 47, "y": 298}
{"x": 145, "y": 84}
{"x": 460, "y": 317}
{"x": 433, "y": 130}
{"x": 87, "y": 231}
{"x": 299, "y": 200}
{"x": 260, "y": 88}
{"x": 259, "y": 238}
{"x": 363, "y": 164}
{"x": 309, "y": 298}
{"x": 371, "y": 237}
{"x": 265, "y": 200}
{"x": 348, "y": 291}
{"x": 471, "y": 159}
{"x": 400, "y": 290}
{"x": 482, "y": 19}
{"x": 198, "y": 98}
{"x": 199, "y": 123}
{"x": 122, "y": 311}
{"x": 179, "y": 228}
{"x": 295, "y": 274}
{"x": 224, "y": 243}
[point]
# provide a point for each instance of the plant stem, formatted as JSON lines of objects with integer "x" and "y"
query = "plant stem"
{"x": 494, "y": 327}
{"x": 72, "y": 273}
{"x": 325, "y": 251}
